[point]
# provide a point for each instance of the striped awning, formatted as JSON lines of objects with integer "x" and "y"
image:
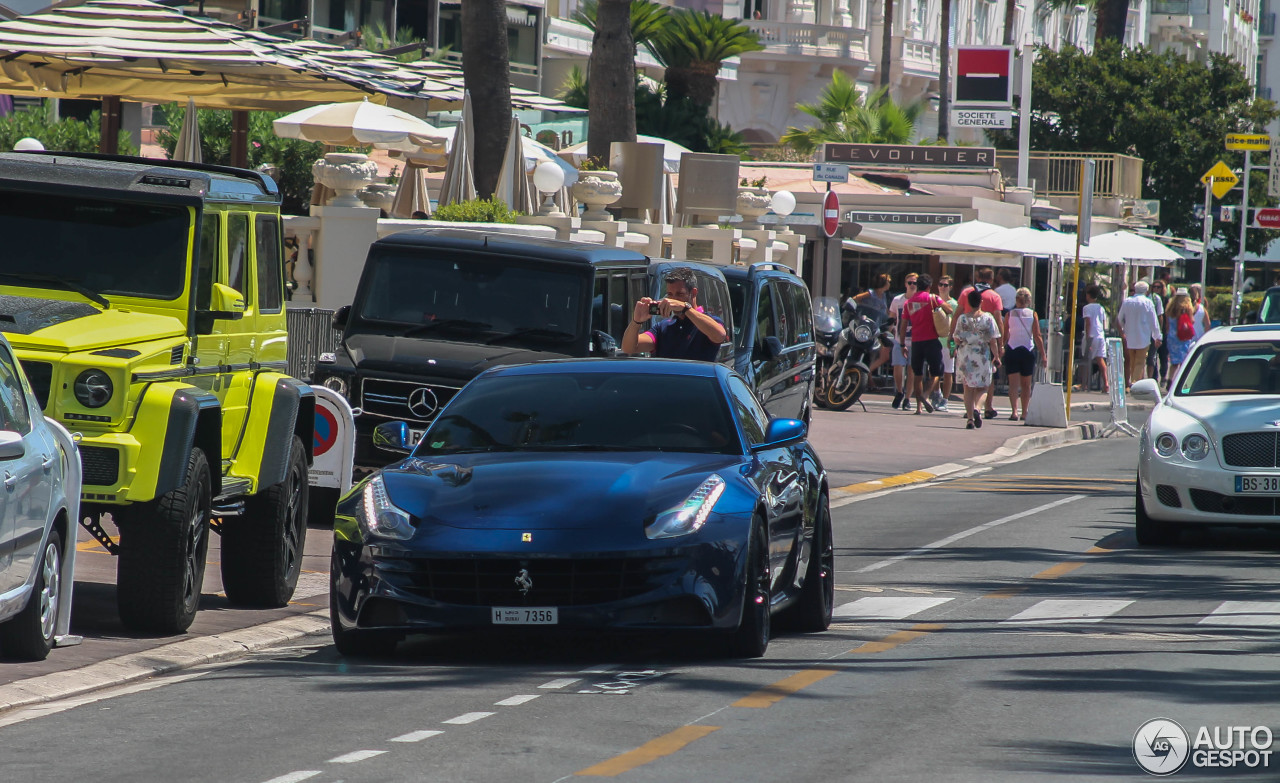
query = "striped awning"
{"x": 143, "y": 51}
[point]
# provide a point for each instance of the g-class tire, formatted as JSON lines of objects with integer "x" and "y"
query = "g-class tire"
{"x": 163, "y": 548}
{"x": 262, "y": 550}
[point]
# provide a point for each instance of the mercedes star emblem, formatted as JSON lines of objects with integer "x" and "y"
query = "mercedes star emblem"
{"x": 423, "y": 402}
{"x": 523, "y": 581}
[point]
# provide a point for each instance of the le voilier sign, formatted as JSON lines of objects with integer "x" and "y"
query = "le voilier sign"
{"x": 910, "y": 155}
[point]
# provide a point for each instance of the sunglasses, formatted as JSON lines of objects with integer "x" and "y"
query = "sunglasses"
{"x": 944, "y": 285}
{"x": 911, "y": 282}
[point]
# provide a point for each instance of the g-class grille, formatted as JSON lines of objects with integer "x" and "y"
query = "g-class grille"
{"x": 40, "y": 374}
{"x": 101, "y": 465}
{"x": 404, "y": 400}
{"x": 1250, "y": 449}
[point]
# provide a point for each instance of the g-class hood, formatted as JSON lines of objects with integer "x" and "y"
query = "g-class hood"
{"x": 442, "y": 358}
{"x": 59, "y": 325}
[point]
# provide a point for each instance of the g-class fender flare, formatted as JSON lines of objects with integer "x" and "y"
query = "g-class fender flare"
{"x": 194, "y": 420}
{"x": 280, "y": 407}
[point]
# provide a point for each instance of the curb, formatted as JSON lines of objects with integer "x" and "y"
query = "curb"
{"x": 1087, "y": 430}
{"x": 161, "y": 660}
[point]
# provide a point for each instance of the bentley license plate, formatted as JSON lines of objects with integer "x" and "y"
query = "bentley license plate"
{"x": 1258, "y": 485}
{"x": 526, "y": 615}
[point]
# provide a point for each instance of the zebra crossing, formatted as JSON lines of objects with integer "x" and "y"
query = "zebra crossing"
{"x": 1065, "y": 611}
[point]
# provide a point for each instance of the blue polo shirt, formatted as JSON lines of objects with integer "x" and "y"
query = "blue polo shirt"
{"x": 679, "y": 338}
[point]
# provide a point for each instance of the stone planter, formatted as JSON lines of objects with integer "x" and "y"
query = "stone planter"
{"x": 379, "y": 196}
{"x": 597, "y": 189}
{"x": 346, "y": 173}
{"x": 752, "y": 203}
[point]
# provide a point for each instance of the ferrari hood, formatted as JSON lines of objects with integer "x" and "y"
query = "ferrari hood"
{"x": 441, "y": 358}
{"x": 58, "y": 325}
{"x": 540, "y": 491}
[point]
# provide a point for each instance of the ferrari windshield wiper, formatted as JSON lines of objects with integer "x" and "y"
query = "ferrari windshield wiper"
{"x": 61, "y": 282}
{"x": 536, "y": 332}
{"x": 454, "y": 323}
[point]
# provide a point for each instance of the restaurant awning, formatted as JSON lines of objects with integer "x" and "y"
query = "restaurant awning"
{"x": 916, "y": 244}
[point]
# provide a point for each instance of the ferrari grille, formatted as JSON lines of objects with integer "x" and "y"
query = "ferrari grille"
{"x": 1250, "y": 449}
{"x": 555, "y": 581}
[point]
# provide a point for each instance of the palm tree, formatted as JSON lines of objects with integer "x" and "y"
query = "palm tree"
{"x": 886, "y": 43}
{"x": 844, "y": 114}
{"x": 611, "y": 90}
{"x": 486, "y": 72}
{"x": 647, "y": 19}
{"x": 944, "y": 73}
{"x": 693, "y": 44}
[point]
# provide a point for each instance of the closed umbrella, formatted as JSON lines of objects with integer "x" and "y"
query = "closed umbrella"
{"x": 671, "y": 151}
{"x": 188, "y": 146}
{"x": 411, "y": 194}
{"x": 514, "y": 186}
{"x": 357, "y": 123}
{"x": 459, "y": 175}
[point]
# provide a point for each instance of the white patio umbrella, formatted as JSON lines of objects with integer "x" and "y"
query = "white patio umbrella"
{"x": 671, "y": 151}
{"x": 459, "y": 174}
{"x": 1133, "y": 247}
{"x": 514, "y": 186}
{"x": 357, "y": 123}
{"x": 411, "y": 194}
{"x": 535, "y": 152}
{"x": 188, "y": 146}
{"x": 966, "y": 231}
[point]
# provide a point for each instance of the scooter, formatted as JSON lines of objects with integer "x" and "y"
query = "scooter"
{"x": 849, "y": 374}
{"x": 826, "y": 332}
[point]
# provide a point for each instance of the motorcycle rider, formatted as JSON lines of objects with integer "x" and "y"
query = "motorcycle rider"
{"x": 875, "y": 298}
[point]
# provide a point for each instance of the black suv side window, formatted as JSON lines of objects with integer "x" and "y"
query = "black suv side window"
{"x": 710, "y": 298}
{"x": 799, "y": 296}
{"x": 266, "y": 233}
{"x": 764, "y": 315}
{"x": 208, "y": 263}
{"x": 786, "y": 311}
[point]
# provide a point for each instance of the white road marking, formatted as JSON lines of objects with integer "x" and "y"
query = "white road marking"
{"x": 559, "y": 683}
{"x": 294, "y": 777}
{"x": 516, "y": 701}
{"x": 885, "y": 608}
{"x": 356, "y": 755}
{"x": 1067, "y": 611}
{"x": 1244, "y": 614}
{"x": 966, "y": 533}
{"x": 416, "y": 736}
{"x": 470, "y": 717}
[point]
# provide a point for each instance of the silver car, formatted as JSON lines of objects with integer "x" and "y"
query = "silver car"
{"x": 1210, "y": 451}
{"x": 39, "y": 505}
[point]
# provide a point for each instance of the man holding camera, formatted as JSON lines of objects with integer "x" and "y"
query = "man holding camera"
{"x": 685, "y": 332}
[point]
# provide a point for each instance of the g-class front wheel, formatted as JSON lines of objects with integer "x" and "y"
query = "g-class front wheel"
{"x": 163, "y": 548}
{"x": 262, "y": 550}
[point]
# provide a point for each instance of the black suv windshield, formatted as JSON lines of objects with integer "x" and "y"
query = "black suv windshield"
{"x": 474, "y": 299}
{"x": 585, "y": 412}
{"x": 107, "y": 247}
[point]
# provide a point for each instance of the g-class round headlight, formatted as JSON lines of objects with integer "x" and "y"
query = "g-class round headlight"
{"x": 1195, "y": 447}
{"x": 336, "y": 383}
{"x": 1166, "y": 444}
{"x": 93, "y": 388}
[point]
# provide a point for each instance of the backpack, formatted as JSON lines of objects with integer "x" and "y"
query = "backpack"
{"x": 1186, "y": 327}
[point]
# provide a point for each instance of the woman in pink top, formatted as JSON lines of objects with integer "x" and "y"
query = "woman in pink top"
{"x": 926, "y": 347}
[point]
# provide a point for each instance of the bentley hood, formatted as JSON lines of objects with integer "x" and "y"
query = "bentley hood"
{"x": 69, "y": 327}
{"x": 1223, "y": 414}
{"x": 540, "y": 491}
{"x": 436, "y": 358}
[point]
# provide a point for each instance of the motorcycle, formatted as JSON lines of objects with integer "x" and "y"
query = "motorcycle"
{"x": 826, "y": 332}
{"x": 849, "y": 372}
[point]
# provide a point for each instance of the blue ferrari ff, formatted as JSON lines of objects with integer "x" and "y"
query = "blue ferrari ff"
{"x": 610, "y": 494}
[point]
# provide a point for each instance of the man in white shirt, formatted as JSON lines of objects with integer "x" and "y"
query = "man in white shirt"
{"x": 1008, "y": 294}
{"x": 902, "y": 345}
{"x": 1140, "y": 328}
{"x": 1095, "y": 333}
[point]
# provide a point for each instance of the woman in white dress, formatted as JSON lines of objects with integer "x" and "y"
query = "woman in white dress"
{"x": 977, "y": 354}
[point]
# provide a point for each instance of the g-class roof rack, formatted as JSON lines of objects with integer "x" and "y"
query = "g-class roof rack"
{"x": 267, "y": 184}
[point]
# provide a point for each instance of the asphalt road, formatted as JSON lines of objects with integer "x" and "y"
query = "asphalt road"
{"x": 996, "y": 626}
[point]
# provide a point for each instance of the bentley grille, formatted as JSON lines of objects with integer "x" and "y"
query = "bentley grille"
{"x": 1251, "y": 449}
{"x": 392, "y": 399}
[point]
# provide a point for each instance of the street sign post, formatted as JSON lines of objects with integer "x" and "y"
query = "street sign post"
{"x": 830, "y": 172}
{"x": 830, "y": 214}
{"x": 1249, "y": 142}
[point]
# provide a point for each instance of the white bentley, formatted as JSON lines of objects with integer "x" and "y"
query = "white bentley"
{"x": 1210, "y": 451}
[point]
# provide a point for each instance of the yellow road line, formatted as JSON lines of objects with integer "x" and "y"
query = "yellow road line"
{"x": 772, "y": 694}
{"x": 1053, "y": 572}
{"x": 901, "y": 637}
{"x": 914, "y": 477}
{"x": 91, "y": 546}
{"x": 650, "y": 751}
{"x": 1006, "y": 592}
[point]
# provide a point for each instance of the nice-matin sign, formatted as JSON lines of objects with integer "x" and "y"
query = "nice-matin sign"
{"x": 899, "y": 155}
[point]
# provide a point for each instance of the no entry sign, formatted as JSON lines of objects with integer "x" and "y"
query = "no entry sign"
{"x": 984, "y": 77}
{"x": 831, "y": 214}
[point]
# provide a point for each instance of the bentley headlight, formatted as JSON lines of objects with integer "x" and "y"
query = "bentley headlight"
{"x": 1195, "y": 447}
{"x": 1166, "y": 444}
{"x": 336, "y": 383}
{"x": 862, "y": 333}
{"x": 689, "y": 516}
{"x": 378, "y": 516}
{"x": 93, "y": 388}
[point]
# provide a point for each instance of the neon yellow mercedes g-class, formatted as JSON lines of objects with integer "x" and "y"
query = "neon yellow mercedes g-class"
{"x": 145, "y": 300}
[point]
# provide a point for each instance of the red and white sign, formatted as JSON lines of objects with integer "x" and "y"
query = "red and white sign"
{"x": 983, "y": 77}
{"x": 830, "y": 214}
{"x": 1266, "y": 218}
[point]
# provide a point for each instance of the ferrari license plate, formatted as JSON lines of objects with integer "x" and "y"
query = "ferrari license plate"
{"x": 526, "y": 615}
{"x": 1258, "y": 485}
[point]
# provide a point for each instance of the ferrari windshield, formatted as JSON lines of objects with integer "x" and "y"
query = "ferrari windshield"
{"x": 589, "y": 411}
{"x": 474, "y": 299}
{"x": 94, "y": 245}
{"x": 1233, "y": 368}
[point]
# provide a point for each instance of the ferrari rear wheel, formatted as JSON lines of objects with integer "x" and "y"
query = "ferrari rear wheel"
{"x": 1148, "y": 531}
{"x": 751, "y": 639}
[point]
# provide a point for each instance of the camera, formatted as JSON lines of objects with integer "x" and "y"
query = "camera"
{"x": 653, "y": 309}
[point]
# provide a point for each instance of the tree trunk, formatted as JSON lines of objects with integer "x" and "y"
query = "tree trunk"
{"x": 1009, "y": 6}
{"x": 944, "y": 73}
{"x": 1112, "y": 16}
{"x": 486, "y": 72}
{"x": 886, "y": 43}
{"x": 697, "y": 82}
{"x": 612, "y": 74}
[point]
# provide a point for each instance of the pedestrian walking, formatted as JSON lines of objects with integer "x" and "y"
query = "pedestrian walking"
{"x": 948, "y": 348}
{"x": 1200, "y": 313}
{"x": 926, "y": 343}
{"x": 1024, "y": 349}
{"x": 1182, "y": 332}
{"x": 1095, "y": 334}
{"x": 990, "y": 302}
{"x": 977, "y": 338}
{"x": 1158, "y": 354}
{"x": 1139, "y": 328}
{"x": 902, "y": 345}
{"x": 1008, "y": 294}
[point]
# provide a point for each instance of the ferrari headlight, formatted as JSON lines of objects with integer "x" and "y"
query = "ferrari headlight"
{"x": 1166, "y": 444}
{"x": 689, "y": 516}
{"x": 862, "y": 333}
{"x": 336, "y": 383}
{"x": 93, "y": 388}
{"x": 1195, "y": 447}
{"x": 378, "y": 516}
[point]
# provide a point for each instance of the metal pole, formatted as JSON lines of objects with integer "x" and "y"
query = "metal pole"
{"x": 1208, "y": 231}
{"x": 1237, "y": 278}
{"x": 1024, "y": 113}
{"x": 1075, "y": 287}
